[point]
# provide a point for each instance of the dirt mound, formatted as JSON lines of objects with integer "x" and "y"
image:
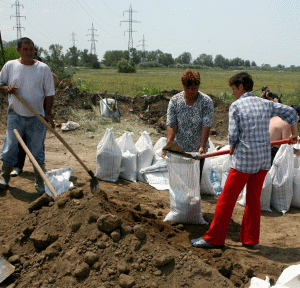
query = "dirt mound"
{"x": 85, "y": 240}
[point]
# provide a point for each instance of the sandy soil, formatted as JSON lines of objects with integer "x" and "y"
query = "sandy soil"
{"x": 65, "y": 243}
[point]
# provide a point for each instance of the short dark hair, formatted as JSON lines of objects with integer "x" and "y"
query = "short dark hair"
{"x": 190, "y": 77}
{"x": 242, "y": 78}
{"x": 24, "y": 40}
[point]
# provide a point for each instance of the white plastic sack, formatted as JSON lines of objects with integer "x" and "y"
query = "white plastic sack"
{"x": 296, "y": 188}
{"x": 185, "y": 200}
{"x": 282, "y": 174}
{"x": 70, "y": 125}
{"x": 109, "y": 108}
{"x": 265, "y": 197}
{"x": 225, "y": 168}
{"x": 206, "y": 185}
{"x": 159, "y": 145}
{"x": 145, "y": 154}
{"x": 59, "y": 179}
{"x": 109, "y": 157}
{"x": 129, "y": 157}
{"x": 258, "y": 283}
{"x": 290, "y": 277}
{"x": 157, "y": 175}
{"x": 217, "y": 162}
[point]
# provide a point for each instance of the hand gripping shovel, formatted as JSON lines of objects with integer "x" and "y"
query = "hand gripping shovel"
{"x": 94, "y": 181}
{"x": 35, "y": 164}
{"x": 172, "y": 147}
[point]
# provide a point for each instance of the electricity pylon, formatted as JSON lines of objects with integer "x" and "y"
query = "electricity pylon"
{"x": 19, "y": 27}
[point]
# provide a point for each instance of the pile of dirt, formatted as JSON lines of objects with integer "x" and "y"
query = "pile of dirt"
{"x": 152, "y": 110}
{"x": 85, "y": 240}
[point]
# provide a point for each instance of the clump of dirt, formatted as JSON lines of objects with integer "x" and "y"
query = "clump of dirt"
{"x": 85, "y": 240}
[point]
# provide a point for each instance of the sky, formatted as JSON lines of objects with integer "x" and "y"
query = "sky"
{"x": 264, "y": 31}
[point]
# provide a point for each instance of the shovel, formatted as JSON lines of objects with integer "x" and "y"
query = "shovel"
{"x": 35, "y": 164}
{"x": 94, "y": 183}
{"x": 173, "y": 148}
{"x": 6, "y": 269}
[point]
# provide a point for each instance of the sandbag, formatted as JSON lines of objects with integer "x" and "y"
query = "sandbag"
{"x": 296, "y": 189}
{"x": 109, "y": 158}
{"x": 265, "y": 197}
{"x": 217, "y": 163}
{"x": 129, "y": 157}
{"x": 59, "y": 179}
{"x": 145, "y": 154}
{"x": 157, "y": 149}
{"x": 210, "y": 183}
{"x": 282, "y": 174}
{"x": 225, "y": 168}
{"x": 185, "y": 200}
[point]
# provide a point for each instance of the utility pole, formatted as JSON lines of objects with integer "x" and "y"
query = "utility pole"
{"x": 93, "y": 46}
{"x": 73, "y": 39}
{"x": 130, "y": 41}
{"x": 19, "y": 27}
{"x": 143, "y": 47}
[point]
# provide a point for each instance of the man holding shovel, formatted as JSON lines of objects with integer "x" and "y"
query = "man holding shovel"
{"x": 249, "y": 140}
{"x": 33, "y": 80}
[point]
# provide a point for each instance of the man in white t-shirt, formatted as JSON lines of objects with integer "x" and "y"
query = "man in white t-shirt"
{"x": 33, "y": 81}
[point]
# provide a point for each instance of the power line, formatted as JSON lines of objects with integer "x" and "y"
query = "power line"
{"x": 19, "y": 27}
{"x": 93, "y": 46}
{"x": 130, "y": 41}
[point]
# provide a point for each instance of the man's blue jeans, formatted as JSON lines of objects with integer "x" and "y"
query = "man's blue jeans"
{"x": 35, "y": 132}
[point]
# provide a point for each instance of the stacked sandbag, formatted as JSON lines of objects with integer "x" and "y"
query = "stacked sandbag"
{"x": 145, "y": 154}
{"x": 129, "y": 157}
{"x": 109, "y": 157}
{"x": 185, "y": 200}
{"x": 265, "y": 197}
{"x": 157, "y": 149}
{"x": 282, "y": 174}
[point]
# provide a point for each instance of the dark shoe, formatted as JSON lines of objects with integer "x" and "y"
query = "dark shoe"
{"x": 201, "y": 243}
{"x": 16, "y": 172}
{"x": 256, "y": 246}
{"x": 39, "y": 181}
{"x": 5, "y": 175}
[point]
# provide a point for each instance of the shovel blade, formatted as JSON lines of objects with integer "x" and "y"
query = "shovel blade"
{"x": 6, "y": 269}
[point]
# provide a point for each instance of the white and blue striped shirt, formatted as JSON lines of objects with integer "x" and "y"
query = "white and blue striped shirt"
{"x": 249, "y": 119}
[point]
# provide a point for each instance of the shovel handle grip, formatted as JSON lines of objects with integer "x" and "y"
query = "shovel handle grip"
{"x": 51, "y": 129}
{"x": 35, "y": 164}
{"x": 227, "y": 151}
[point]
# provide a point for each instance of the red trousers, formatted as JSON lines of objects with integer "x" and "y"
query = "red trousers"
{"x": 250, "y": 228}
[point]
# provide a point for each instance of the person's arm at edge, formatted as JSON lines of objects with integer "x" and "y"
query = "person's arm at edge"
{"x": 48, "y": 110}
{"x": 171, "y": 132}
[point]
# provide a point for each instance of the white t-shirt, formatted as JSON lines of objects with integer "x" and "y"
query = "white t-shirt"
{"x": 34, "y": 82}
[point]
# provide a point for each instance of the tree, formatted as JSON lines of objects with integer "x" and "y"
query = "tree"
{"x": 247, "y": 63}
{"x": 221, "y": 62}
{"x": 205, "y": 60}
{"x": 111, "y": 58}
{"x": 126, "y": 66}
{"x": 237, "y": 62}
{"x": 184, "y": 58}
{"x": 72, "y": 56}
{"x": 253, "y": 64}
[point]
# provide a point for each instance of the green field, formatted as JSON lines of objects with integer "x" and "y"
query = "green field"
{"x": 285, "y": 83}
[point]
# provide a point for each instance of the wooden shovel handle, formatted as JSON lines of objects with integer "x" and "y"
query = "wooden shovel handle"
{"x": 227, "y": 151}
{"x": 51, "y": 129}
{"x": 35, "y": 164}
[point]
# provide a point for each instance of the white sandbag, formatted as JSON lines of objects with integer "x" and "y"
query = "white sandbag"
{"x": 59, "y": 179}
{"x": 290, "y": 277}
{"x": 296, "y": 189}
{"x": 157, "y": 175}
{"x": 129, "y": 157}
{"x": 259, "y": 283}
{"x": 217, "y": 162}
{"x": 225, "y": 168}
{"x": 159, "y": 145}
{"x": 209, "y": 185}
{"x": 109, "y": 157}
{"x": 145, "y": 154}
{"x": 265, "y": 197}
{"x": 282, "y": 174}
{"x": 185, "y": 200}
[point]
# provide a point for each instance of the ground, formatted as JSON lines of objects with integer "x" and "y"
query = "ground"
{"x": 116, "y": 236}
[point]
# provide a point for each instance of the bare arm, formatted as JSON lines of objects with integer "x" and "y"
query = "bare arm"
{"x": 48, "y": 110}
{"x": 8, "y": 89}
{"x": 171, "y": 132}
{"x": 204, "y": 138}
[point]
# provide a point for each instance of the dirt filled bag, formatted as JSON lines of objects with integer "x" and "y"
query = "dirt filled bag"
{"x": 157, "y": 149}
{"x": 185, "y": 200}
{"x": 282, "y": 174}
{"x": 129, "y": 157}
{"x": 145, "y": 154}
{"x": 109, "y": 157}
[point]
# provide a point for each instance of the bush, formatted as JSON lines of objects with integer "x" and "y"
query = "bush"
{"x": 126, "y": 66}
{"x": 150, "y": 64}
{"x": 96, "y": 65}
